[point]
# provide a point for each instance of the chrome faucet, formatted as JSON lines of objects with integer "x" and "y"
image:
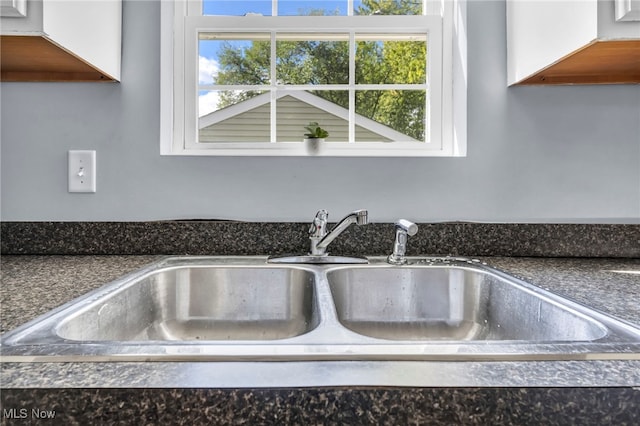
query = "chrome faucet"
{"x": 404, "y": 228}
{"x": 319, "y": 236}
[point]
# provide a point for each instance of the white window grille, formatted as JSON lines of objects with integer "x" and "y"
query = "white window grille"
{"x": 381, "y": 84}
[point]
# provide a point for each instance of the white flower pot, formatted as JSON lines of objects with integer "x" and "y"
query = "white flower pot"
{"x": 313, "y": 145}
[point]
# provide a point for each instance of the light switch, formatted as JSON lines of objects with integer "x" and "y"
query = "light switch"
{"x": 82, "y": 171}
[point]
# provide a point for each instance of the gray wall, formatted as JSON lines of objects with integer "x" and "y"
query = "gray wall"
{"x": 569, "y": 154}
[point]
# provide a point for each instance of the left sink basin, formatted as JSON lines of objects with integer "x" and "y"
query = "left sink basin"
{"x": 201, "y": 303}
{"x": 187, "y": 300}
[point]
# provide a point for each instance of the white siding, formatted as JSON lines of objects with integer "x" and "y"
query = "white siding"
{"x": 293, "y": 115}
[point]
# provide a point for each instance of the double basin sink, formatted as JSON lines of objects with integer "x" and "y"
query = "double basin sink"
{"x": 244, "y": 308}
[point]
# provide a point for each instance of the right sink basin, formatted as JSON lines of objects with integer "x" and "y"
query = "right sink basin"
{"x": 451, "y": 303}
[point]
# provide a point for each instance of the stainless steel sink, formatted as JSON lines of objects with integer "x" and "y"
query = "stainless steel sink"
{"x": 201, "y": 303}
{"x": 243, "y": 308}
{"x": 451, "y": 303}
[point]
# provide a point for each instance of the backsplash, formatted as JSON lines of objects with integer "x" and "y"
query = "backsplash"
{"x": 262, "y": 238}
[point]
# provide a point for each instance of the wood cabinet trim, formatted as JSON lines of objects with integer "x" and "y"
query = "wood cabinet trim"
{"x": 36, "y": 58}
{"x": 600, "y": 62}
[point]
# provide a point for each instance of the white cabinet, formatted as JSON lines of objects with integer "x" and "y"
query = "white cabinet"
{"x": 572, "y": 42}
{"x": 60, "y": 40}
{"x": 14, "y": 8}
{"x": 627, "y": 10}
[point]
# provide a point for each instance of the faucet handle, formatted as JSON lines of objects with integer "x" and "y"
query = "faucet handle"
{"x": 318, "y": 228}
{"x": 404, "y": 228}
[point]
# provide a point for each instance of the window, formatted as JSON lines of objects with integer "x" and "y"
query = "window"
{"x": 245, "y": 77}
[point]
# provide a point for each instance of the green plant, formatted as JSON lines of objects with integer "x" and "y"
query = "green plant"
{"x": 314, "y": 131}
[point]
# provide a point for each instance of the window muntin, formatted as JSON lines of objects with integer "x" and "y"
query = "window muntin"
{"x": 362, "y": 32}
{"x": 373, "y": 75}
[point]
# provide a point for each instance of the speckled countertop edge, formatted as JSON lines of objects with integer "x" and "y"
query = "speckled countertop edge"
{"x": 251, "y": 238}
{"x": 604, "y": 284}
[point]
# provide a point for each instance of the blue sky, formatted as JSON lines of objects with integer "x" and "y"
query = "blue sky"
{"x": 285, "y": 7}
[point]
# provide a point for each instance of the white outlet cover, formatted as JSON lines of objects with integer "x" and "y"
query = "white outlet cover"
{"x": 82, "y": 171}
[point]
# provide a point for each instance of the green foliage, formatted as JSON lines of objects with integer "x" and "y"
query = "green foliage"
{"x": 243, "y": 66}
{"x": 310, "y": 62}
{"x": 390, "y": 7}
{"x": 315, "y": 131}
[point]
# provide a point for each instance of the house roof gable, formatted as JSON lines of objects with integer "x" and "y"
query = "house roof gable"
{"x": 310, "y": 99}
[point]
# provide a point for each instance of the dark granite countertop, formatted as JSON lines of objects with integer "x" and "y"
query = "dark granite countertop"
{"x": 32, "y": 285}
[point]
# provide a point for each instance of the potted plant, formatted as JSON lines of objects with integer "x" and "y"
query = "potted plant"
{"x": 315, "y": 133}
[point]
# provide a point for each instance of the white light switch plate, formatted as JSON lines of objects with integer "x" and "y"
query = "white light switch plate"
{"x": 82, "y": 171}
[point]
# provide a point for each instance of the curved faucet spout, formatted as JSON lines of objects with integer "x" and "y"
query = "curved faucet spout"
{"x": 320, "y": 240}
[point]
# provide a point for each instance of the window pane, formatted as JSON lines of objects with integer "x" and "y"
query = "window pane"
{"x": 234, "y": 61}
{"x": 296, "y": 109}
{"x": 387, "y": 7}
{"x": 236, "y": 7}
{"x": 399, "y": 115}
{"x": 312, "y": 7}
{"x": 312, "y": 62}
{"x": 234, "y": 116}
{"x": 208, "y": 102}
{"x": 391, "y": 61}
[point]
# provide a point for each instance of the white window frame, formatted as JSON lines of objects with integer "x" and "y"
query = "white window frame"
{"x": 179, "y": 83}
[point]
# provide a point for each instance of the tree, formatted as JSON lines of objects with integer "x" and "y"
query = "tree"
{"x": 390, "y": 7}
{"x": 312, "y": 62}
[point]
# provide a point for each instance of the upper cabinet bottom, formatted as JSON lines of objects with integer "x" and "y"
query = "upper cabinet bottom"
{"x": 35, "y": 58}
{"x": 601, "y": 62}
